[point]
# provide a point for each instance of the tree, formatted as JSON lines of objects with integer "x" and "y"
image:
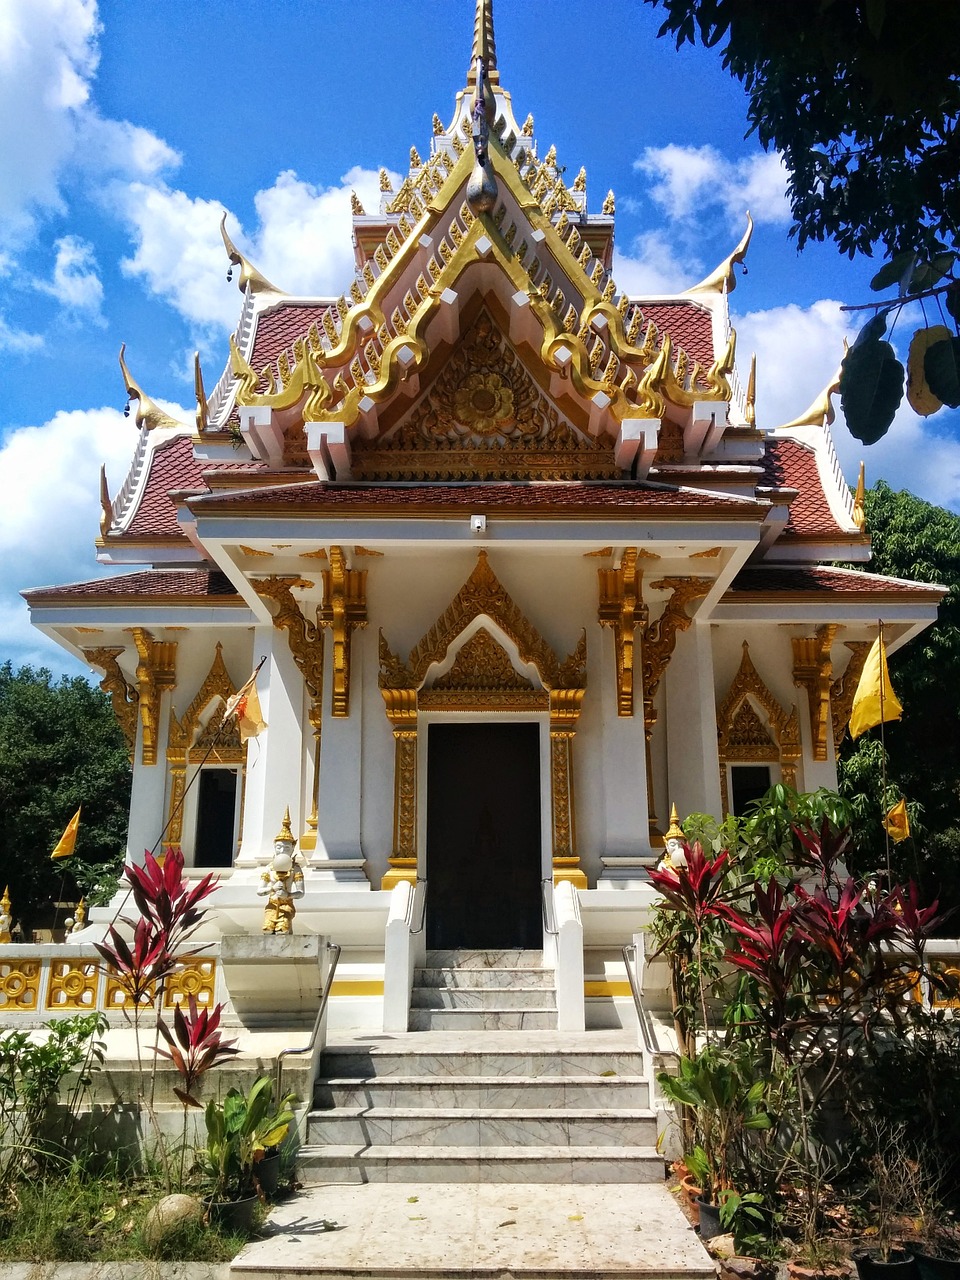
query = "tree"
{"x": 862, "y": 99}
{"x": 914, "y": 539}
{"x": 60, "y": 749}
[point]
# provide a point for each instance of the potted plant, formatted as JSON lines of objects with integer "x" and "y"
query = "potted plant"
{"x": 240, "y": 1129}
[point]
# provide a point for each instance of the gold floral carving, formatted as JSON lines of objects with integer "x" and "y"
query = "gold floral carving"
{"x": 622, "y": 609}
{"x": 813, "y": 671}
{"x": 19, "y": 985}
{"x": 844, "y": 688}
{"x": 156, "y": 674}
{"x": 195, "y": 978}
{"x": 117, "y": 995}
{"x": 484, "y": 417}
{"x": 123, "y": 696}
{"x": 344, "y": 609}
{"x": 480, "y": 666}
{"x": 73, "y": 984}
{"x": 748, "y": 734}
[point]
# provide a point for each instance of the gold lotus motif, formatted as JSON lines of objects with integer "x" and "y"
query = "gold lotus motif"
{"x": 484, "y": 403}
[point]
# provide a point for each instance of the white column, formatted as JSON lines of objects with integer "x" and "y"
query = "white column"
{"x": 689, "y": 719}
{"x": 627, "y": 846}
{"x": 274, "y": 759}
{"x": 338, "y": 857}
{"x": 148, "y": 810}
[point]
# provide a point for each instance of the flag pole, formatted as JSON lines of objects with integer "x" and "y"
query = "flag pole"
{"x": 883, "y": 755}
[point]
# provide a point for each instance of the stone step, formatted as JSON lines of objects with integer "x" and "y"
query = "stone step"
{"x": 481, "y": 1127}
{"x": 463, "y": 997}
{"x": 482, "y": 976}
{"x": 484, "y": 1091}
{"x": 503, "y": 1019}
{"x": 484, "y": 960}
{"x": 552, "y": 1164}
{"x": 442, "y": 1063}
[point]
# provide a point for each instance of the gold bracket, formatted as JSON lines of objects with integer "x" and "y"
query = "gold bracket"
{"x": 813, "y": 671}
{"x": 156, "y": 674}
{"x": 622, "y": 609}
{"x": 123, "y": 696}
{"x": 343, "y": 610}
{"x": 844, "y": 688}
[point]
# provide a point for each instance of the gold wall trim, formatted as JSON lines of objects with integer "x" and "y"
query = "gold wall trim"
{"x": 357, "y": 987}
{"x": 743, "y": 737}
{"x": 156, "y": 674}
{"x": 606, "y": 988}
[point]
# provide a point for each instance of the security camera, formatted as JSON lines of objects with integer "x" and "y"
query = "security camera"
{"x": 478, "y": 524}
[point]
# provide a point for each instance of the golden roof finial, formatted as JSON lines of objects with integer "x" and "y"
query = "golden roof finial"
{"x": 580, "y": 181}
{"x": 356, "y": 207}
{"x": 527, "y": 130}
{"x": 484, "y": 44}
{"x": 859, "y": 510}
{"x": 203, "y": 421}
{"x": 106, "y": 509}
{"x": 724, "y": 279}
{"x": 415, "y": 161}
{"x": 610, "y": 204}
{"x": 821, "y": 413}
{"x": 437, "y": 125}
{"x": 249, "y": 275}
{"x": 551, "y": 157}
{"x": 675, "y": 831}
{"x": 149, "y": 413}
{"x": 751, "y": 406}
{"x": 385, "y": 183}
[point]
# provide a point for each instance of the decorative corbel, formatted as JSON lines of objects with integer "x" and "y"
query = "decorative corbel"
{"x": 813, "y": 671}
{"x": 398, "y": 684}
{"x": 156, "y": 675}
{"x": 123, "y": 695}
{"x": 844, "y": 688}
{"x": 622, "y": 609}
{"x": 343, "y": 610}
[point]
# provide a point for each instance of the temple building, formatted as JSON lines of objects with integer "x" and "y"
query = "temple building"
{"x": 524, "y": 569}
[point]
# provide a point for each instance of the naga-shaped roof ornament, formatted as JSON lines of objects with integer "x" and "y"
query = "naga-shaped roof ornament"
{"x": 149, "y": 413}
{"x": 249, "y": 275}
{"x": 724, "y": 279}
{"x": 821, "y": 413}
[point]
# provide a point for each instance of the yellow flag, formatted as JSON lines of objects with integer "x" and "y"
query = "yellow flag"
{"x": 896, "y": 824}
{"x": 245, "y": 705}
{"x": 67, "y": 842}
{"x": 874, "y": 688}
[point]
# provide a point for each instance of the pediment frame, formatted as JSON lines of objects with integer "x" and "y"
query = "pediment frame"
{"x": 782, "y": 727}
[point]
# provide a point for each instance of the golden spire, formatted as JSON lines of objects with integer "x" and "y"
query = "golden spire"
{"x": 385, "y": 183}
{"x": 203, "y": 421}
{"x": 580, "y": 181}
{"x": 859, "y": 510}
{"x": 149, "y": 413}
{"x": 285, "y": 834}
{"x": 609, "y": 205}
{"x": 527, "y": 129}
{"x": 106, "y": 510}
{"x": 821, "y": 413}
{"x": 437, "y": 125}
{"x": 249, "y": 275}
{"x": 484, "y": 44}
{"x": 415, "y": 161}
{"x": 724, "y": 277}
{"x": 355, "y": 206}
{"x": 751, "y": 406}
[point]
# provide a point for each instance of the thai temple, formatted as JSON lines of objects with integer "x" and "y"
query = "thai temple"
{"x": 520, "y": 572}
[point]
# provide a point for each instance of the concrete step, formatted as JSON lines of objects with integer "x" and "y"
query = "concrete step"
{"x": 502, "y": 1019}
{"x": 483, "y": 976}
{"x": 546, "y": 1164}
{"x": 481, "y": 1127}
{"x": 484, "y": 1091}
{"x": 463, "y": 997}
{"x": 484, "y": 960}
{"x": 440, "y": 1062}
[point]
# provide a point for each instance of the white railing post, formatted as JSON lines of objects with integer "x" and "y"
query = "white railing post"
{"x": 399, "y": 957}
{"x": 569, "y": 971}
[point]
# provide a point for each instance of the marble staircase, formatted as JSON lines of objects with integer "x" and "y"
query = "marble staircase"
{"x": 487, "y": 1091}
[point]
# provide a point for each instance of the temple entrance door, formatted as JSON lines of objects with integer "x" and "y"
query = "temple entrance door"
{"x": 483, "y": 836}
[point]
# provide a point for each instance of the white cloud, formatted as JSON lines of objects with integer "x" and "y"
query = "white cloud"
{"x": 18, "y": 341}
{"x": 51, "y": 512}
{"x": 76, "y": 283}
{"x": 798, "y": 352}
{"x": 685, "y": 180}
{"x": 652, "y": 266}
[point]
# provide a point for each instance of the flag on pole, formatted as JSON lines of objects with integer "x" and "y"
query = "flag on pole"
{"x": 874, "y": 702}
{"x": 245, "y": 705}
{"x": 896, "y": 823}
{"x": 68, "y": 841}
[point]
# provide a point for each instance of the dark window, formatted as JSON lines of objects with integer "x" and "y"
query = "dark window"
{"x": 748, "y": 782}
{"x": 216, "y": 811}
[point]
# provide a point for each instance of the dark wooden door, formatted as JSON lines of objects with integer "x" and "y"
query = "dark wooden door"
{"x": 483, "y": 836}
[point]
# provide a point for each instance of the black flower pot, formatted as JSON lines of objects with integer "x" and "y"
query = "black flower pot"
{"x": 267, "y": 1172}
{"x": 709, "y": 1220}
{"x": 901, "y": 1266}
{"x": 932, "y": 1268}
{"x": 234, "y": 1215}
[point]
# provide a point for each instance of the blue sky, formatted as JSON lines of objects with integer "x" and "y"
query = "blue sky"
{"x": 125, "y": 129}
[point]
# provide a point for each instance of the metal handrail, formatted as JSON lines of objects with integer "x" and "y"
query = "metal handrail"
{"x": 419, "y": 889}
{"x": 311, "y": 1045}
{"x": 629, "y": 953}
{"x": 544, "y": 897}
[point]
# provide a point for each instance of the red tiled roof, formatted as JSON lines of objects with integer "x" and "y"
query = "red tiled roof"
{"x": 192, "y": 586}
{"x": 788, "y": 464}
{"x": 172, "y": 466}
{"x": 542, "y": 498}
{"x": 762, "y": 580}
{"x": 689, "y": 324}
{"x": 280, "y": 326}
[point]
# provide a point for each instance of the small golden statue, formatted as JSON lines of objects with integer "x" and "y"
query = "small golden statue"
{"x": 74, "y": 924}
{"x": 6, "y": 919}
{"x": 281, "y": 882}
{"x": 673, "y": 856}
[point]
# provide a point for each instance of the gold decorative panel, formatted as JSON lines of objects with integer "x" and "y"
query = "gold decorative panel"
{"x": 73, "y": 984}
{"x": 195, "y": 978}
{"x": 483, "y": 678}
{"x": 744, "y": 736}
{"x": 844, "y": 688}
{"x": 156, "y": 673}
{"x": 116, "y": 993}
{"x": 344, "y": 609}
{"x": 19, "y": 985}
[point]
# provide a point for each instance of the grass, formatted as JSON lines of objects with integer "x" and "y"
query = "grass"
{"x": 78, "y": 1218}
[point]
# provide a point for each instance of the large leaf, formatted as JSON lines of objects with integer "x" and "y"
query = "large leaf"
{"x": 898, "y": 270}
{"x": 941, "y": 365}
{"x": 920, "y": 397}
{"x": 871, "y": 383}
{"x": 951, "y": 300}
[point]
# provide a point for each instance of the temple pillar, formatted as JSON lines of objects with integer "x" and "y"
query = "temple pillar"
{"x": 148, "y": 791}
{"x": 690, "y": 723}
{"x": 274, "y": 768}
{"x": 338, "y": 857}
{"x": 627, "y": 847}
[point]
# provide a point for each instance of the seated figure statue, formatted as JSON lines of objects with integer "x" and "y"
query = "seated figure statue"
{"x": 281, "y": 882}
{"x": 673, "y": 855}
